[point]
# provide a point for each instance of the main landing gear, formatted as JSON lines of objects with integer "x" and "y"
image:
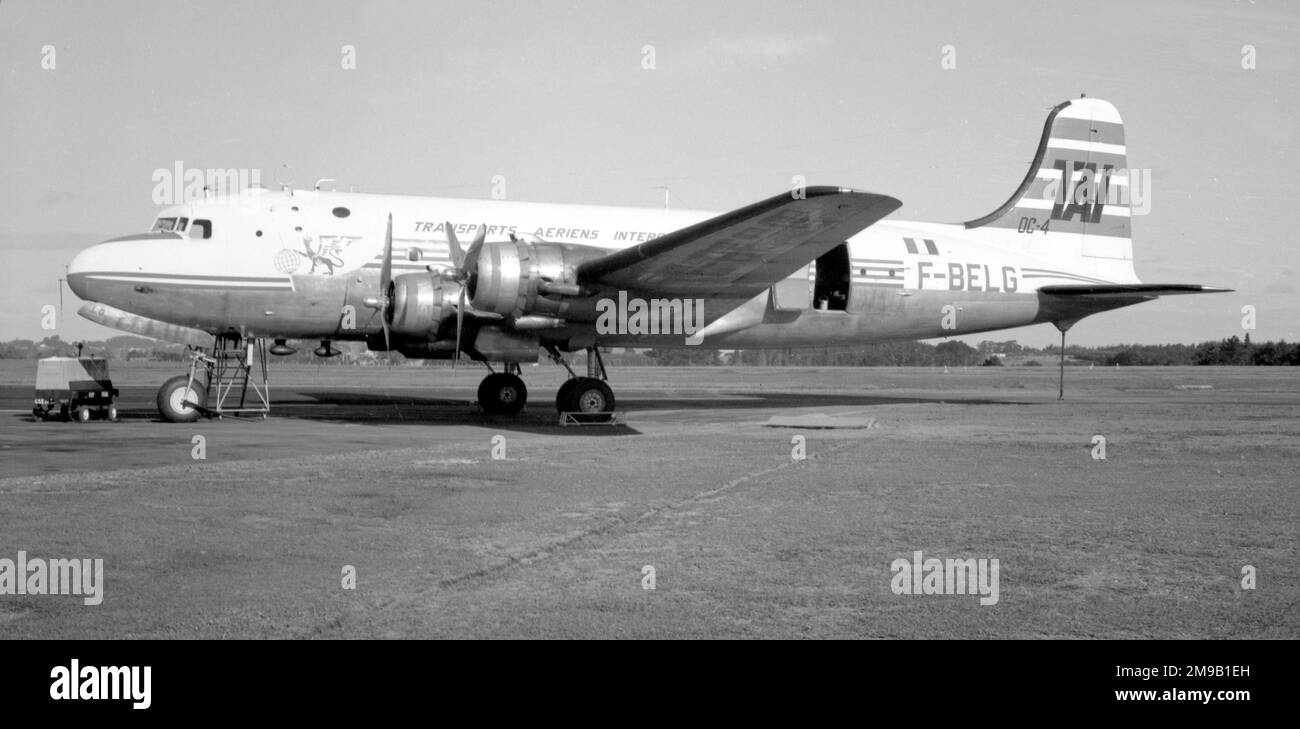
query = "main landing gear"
{"x": 581, "y": 399}
{"x": 503, "y": 393}
{"x": 584, "y": 399}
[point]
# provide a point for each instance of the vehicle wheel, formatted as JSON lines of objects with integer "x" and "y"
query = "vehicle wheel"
{"x": 562, "y": 395}
{"x": 501, "y": 393}
{"x": 111, "y": 413}
{"x": 83, "y": 414}
{"x": 174, "y": 398}
{"x": 591, "y": 398}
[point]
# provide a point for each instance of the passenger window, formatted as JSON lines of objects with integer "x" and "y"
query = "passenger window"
{"x": 201, "y": 229}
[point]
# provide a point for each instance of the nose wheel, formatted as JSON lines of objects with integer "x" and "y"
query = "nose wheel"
{"x": 502, "y": 393}
{"x": 178, "y": 397}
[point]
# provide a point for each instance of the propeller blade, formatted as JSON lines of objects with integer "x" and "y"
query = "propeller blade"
{"x": 386, "y": 270}
{"x": 388, "y": 344}
{"x": 471, "y": 258}
{"x": 459, "y": 256}
{"x": 460, "y": 321}
{"x": 385, "y": 285}
{"x": 453, "y": 245}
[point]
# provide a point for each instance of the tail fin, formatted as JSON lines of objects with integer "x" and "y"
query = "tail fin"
{"x": 1078, "y": 185}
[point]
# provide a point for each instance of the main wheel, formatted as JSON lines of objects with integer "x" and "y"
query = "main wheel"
{"x": 502, "y": 393}
{"x": 562, "y": 395}
{"x": 591, "y": 398}
{"x": 175, "y": 396}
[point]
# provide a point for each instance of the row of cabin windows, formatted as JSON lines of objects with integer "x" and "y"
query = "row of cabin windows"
{"x": 197, "y": 229}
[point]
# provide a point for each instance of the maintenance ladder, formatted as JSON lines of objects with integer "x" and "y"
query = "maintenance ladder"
{"x": 229, "y": 371}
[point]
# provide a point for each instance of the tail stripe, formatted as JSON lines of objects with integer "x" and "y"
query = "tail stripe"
{"x": 1078, "y": 180}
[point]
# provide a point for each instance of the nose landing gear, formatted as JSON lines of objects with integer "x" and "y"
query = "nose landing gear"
{"x": 220, "y": 384}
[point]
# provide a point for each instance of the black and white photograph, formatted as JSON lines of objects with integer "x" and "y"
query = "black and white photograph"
{"x": 742, "y": 320}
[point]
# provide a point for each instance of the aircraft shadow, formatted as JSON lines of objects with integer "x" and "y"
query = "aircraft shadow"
{"x": 402, "y": 409}
{"x": 748, "y": 400}
{"x": 381, "y": 408}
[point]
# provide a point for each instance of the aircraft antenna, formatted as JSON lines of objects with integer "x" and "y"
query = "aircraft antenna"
{"x": 665, "y": 189}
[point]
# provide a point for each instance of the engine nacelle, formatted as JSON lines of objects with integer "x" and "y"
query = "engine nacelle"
{"x": 418, "y": 303}
{"x": 518, "y": 277}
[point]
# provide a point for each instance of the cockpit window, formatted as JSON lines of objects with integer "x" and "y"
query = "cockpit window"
{"x": 164, "y": 225}
{"x": 201, "y": 229}
{"x": 181, "y": 223}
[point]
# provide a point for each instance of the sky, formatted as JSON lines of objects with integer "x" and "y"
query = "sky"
{"x": 557, "y": 98}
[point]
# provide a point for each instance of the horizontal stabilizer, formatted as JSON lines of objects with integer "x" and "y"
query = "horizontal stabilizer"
{"x": 1129, "y": 290}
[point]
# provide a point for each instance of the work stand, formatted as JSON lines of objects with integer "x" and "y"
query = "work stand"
{"x": 230, "y": 377}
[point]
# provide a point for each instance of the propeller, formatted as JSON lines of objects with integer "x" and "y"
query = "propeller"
{"x": 462, "y": 260}
{"x": 462, "y": 273}
{"x": 382, "y": 302}
{"x": 460, "y": 323}
{"x": 386, "y": 279}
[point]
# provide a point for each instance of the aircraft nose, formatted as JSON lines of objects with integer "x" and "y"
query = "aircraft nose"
{"x": 77, "y": 269}
{"x": 90, "y": 261}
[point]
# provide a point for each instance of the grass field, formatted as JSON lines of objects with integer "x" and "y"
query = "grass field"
{"x": 391, "y": 471}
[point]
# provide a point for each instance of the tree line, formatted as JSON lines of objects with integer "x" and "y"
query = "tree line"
{"x": 1233, "y": 351}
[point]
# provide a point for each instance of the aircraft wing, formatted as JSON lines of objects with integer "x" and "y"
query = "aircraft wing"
{"x": 1127, "y": 291}
{"x": 739, "y": 254}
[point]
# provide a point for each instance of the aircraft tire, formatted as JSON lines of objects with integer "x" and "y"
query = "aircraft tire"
{"x": 590, "y": 397}
{"x": 171, "y": 397}
{"x": 562, "y": 395}
{"x": 502, "y": 393}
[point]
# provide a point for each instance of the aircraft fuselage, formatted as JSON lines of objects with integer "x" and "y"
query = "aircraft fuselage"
{"x": 301, "y": 265}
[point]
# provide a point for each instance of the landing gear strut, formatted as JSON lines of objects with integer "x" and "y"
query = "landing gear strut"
{"x": 586, "y": 399}
{"x": 503, "y": 393}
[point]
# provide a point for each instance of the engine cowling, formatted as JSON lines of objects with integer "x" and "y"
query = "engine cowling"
{"x": 518, "y": 277}
{"x": 418, "y": 303}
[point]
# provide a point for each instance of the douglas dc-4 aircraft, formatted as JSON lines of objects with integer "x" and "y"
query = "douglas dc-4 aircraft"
{"x": 813, "y": 267}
